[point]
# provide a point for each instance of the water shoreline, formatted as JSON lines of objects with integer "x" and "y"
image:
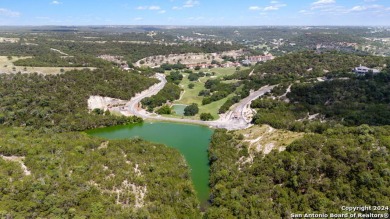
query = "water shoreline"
{"x": 191, "y": 140}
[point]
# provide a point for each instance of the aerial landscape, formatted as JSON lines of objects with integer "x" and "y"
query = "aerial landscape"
{"x": 195, "y": 109}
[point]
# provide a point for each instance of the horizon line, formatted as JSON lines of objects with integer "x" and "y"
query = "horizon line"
{"x": 189, "y": 25}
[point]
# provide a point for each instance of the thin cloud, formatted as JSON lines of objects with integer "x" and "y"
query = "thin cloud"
{"x": 306, "y": 12}
{"x": 56, "y": 3}
{"x": 190, "y": 4}
{"x": 255, "y": 8}
{"x": 324, "y": 2}
{"x": 332, "y": 8}
{"x": 152, "y": 8}
{"x": 271, "y": 8}
{"x": 187, "y": 4}
{"x": 274, "y": 6}
{"x": 324, "y": 5}
{"x": 8, "y": 13}
{"x": 367, "y": 8}
{"x": 359, "y": 8}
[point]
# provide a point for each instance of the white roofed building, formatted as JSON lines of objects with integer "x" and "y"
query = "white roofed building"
{"x": 364, "y": 70}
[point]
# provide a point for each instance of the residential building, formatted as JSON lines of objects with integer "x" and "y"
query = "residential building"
{"x": 255, "y": 59}
{"x": 364, "y": 70}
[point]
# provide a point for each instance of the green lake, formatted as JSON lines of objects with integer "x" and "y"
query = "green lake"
{"x": 191, "y": 140}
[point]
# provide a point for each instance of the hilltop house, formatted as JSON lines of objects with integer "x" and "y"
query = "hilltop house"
{"x": 364, "y": 70}
{"x": 255, "y": 59}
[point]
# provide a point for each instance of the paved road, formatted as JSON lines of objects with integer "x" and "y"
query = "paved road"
{"x": 133, "y": 105}
{"x": 232, "y": 120}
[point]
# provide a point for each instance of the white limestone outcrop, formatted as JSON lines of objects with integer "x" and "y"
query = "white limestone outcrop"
{"x": 104, "y": 103}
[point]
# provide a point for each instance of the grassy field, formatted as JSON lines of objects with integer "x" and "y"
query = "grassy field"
{"x": 261, "y": 46}
{"x": 191, "y": 95}
{"x": 221, "y": 72}
{"x": 7, "y": 66}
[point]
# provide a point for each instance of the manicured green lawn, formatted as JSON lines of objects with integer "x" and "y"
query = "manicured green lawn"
{"x": 221, "y": 72}
{"x": 191, "y": 95}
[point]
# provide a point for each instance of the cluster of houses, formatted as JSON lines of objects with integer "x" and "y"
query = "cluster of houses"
{"x": 361, "y": 70}
{"x": 255, "y": 59}
{"x": 247, "y": 61}
{"x": 335, "y": 45}
{"x": 222, "y": 65}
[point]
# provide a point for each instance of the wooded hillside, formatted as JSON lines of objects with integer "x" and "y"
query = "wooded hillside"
{"x": 317, "y": 174}
{"x": 59, "y": 102}
{"x": 73, "y": 175}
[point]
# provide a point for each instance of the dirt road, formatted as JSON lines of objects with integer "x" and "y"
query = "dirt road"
{"x": 232, "y": 120}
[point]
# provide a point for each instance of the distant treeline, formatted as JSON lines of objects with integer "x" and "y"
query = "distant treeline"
{"x": 55, "y": 60}
{"x": 310, "y": 63}
{"x": 132, "y": 52}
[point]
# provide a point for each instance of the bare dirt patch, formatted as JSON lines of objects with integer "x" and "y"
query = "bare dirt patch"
{"x": 105, "y": 103}
{"x": 20, "y": 160}
{"x": 265, "y": 139}
{"x": 9, "y": 40}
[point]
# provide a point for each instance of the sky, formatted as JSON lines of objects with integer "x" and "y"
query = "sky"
{"x": 195, "y": 12}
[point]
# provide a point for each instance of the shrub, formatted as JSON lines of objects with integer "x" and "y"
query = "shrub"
{"x": 164, "y": 110}
{"x": 206, "y": 117}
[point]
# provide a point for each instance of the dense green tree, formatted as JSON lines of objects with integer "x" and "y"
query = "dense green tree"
{"x": 174, "y": 77}
{"x": 206, "y": 116}
{"x": 204, "y": 93}
{"x": 165, "y": 109}
{"x": 193, "y": 77}
{"x": 169, "y": 93}
{"x": 191, "y": 110}
{"x": 168, "y": 67}
{"x": 230, "y": 102}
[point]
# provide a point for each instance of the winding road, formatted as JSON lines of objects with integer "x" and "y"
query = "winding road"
{"x": 232, "y": 120}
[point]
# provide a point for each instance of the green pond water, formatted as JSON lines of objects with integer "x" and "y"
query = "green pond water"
{"x": 191, "y": 140}
{"x": 179, "y": 109}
